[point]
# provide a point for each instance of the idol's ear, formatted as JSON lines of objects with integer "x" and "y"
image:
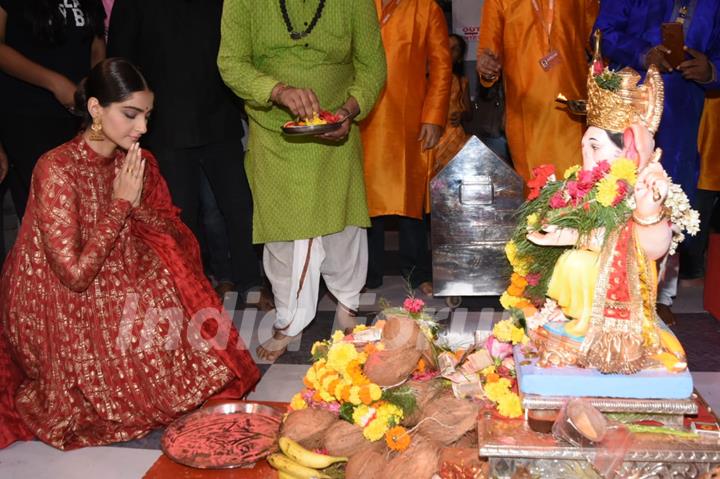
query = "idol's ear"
{"x": 630, "y": 151}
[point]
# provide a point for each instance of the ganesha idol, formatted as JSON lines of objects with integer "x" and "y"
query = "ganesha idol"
{"x": 590, "y": 240}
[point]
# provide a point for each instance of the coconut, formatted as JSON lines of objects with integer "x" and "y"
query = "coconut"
{"x": 424, "y": 391}
{"x": 388, "y": 368}
{"x": 400, "y": 332}
{"x": 446, "y": 419}
{"x": 344, "y": 439}
{"x": 368, "y": 462}
{"x": 419, "y": 461}
{"x": 308, "y": 426}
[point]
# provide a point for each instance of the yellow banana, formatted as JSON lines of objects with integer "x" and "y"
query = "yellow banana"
{"x": 671, "y": 344}
{"x": 302, "y": 456}
{"x": 291, "y": 468}
{"x": 285, "y": 475}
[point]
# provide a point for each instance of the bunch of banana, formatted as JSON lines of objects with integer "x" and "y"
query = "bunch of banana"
{"x": 296, "y": 462}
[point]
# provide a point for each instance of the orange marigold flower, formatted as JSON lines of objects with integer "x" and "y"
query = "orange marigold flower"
{"x": 421, "y": 366}
{"x": 515, "y": 290}
{"x": 307, "y": 383}
{"x": 398, "y": 438}
{"x": 365, "y": 396}
{"x": 317, "y": 397}
{"x": 492, "y": 377}
{"x": 346, "y": 393}
{"x": 518, "y": 280}
{"x": 369, "y": 348}
{"x": 459, "y": 354}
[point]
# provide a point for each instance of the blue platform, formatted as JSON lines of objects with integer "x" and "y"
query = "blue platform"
{"x": 574, "y": 381}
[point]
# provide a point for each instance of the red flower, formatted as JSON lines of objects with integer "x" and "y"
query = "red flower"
{"x": 600, "y": 170}
{"x": 598, "y": 67}
{"x": 577, "y": 190}
{"x": 622, "y": 190}
{"x": 541, "y": 175}
{"x": 533, "y": 279}
{"x": 586, "y": 206}
{"x": 558, "y": 200}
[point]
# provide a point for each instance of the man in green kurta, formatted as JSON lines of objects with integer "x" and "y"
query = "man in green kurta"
{"x": 288, "y": 59}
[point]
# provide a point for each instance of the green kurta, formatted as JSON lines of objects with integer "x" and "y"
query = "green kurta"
{"x": 302, "y": 187}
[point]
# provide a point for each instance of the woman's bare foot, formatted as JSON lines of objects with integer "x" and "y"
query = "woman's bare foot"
{"x": 274, "y": 347}
{"x": 426, "y": 288}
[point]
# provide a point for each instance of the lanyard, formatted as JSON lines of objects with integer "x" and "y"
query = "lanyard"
{"x": 546, "y": 21}
{"x": 387, "y": 12}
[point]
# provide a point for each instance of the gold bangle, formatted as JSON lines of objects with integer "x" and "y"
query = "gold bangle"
{"x": 652, "y": 220}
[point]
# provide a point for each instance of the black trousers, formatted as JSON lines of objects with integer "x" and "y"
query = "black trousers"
{"x": 223, "y": 165}
{"x": 25, "y": 139}
{"x": 692, "y": 250}
{"x": 415, "y": 261}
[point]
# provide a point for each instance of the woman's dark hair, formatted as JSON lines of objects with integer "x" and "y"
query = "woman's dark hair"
{"x": 617, "y": 138}
{"x": 49, "y": 24}
{"x": 110, "y": 81}
{"x": 459, "y": 66}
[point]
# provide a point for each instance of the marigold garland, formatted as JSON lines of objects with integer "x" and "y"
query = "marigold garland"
{"x": 397, "y": 438}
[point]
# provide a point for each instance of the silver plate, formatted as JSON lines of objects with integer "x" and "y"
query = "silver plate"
{"x": 188, "y": 425}
{"x": 310, "y": 130}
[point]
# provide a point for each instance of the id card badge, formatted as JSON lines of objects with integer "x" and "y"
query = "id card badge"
{"x": 550, "y": 60}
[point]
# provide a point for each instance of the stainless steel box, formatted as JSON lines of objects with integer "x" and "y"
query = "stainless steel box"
{"x": 474, "y": 199}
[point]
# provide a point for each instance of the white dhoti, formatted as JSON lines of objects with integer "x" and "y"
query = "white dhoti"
{"x": 294, "y": 269}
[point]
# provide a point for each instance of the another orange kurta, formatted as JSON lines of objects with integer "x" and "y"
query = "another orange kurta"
{"x": 417, "y": 91}
{"x": 709, "y": 144}
{"x": 538, "y": 130}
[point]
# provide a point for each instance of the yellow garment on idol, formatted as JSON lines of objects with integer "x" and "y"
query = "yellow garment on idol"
{"x": 572, "y": 286}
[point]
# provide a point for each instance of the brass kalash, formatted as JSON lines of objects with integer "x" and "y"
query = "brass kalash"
{"x": 513, "y": 446}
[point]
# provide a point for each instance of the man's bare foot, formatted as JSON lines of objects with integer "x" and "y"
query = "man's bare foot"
{"x": 426, "y": 288}
{"x": 274, "y": 347}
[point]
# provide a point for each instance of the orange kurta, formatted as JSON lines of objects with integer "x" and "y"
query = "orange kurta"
{"x": 417, "y": 91}
{"x": 709, "y": 144}
{"x": 538, "y": 130}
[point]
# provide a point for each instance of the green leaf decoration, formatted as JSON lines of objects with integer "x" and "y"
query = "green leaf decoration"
{"x": 403, "y": 397}
{"x": 346, "y": 412}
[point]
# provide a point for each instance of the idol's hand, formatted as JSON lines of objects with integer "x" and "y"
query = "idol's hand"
{"x": 550, "y": 235}
{"x": 302, "y": 102}
{"x": 651, "y": 189}
{"x": 129, "y": 177}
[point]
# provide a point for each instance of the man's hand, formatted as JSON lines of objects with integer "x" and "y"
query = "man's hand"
{"x": 656, "y": 56}
{"x": 698, "y": 68}
{"x": 429, "y": 135}
{"x": 488, "y": 65}
{"x": 302, "y": 102}
{"x": 4, "y": 165}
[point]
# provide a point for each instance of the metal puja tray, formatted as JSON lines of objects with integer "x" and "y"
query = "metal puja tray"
{"x": 311, "y": 130}
{"x": 618, "y": 405}
{"x": 214, "y": 437}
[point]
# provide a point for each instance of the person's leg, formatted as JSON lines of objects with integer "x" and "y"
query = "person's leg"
{"x": 181, "y": 169}
{"x": 667, "y": 289}
{"x": 692, "y": 263}
{"x": 414, "y": 254}
{"x": 293, "y": 268}
{"x": 376, "y": 252}
{"x": 25, "y": 140}
{"x": 344, "y": 267}
{"x": 215, "y": 234}
{"x": 224, "y": 165}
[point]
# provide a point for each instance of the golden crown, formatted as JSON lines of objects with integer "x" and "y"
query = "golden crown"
{"x": 616, "y": 101}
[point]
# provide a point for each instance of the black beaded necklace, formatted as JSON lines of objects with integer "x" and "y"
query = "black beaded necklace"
{"x": 298, "y": 35}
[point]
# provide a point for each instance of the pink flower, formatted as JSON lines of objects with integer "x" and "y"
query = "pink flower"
{"x": 598, "y": 67}
{"x": 622, "y": 190}
{"x": 413, "y": 305}
{"x": 558, "y": 200}
{"x": 498, "y": 349}
{"x": 533, "y": 279}
{"x": 600, "y": 170}
{"x": 509, "y": 364}
{"x": 585, "y": 178}
{"x": 577, "y": 190}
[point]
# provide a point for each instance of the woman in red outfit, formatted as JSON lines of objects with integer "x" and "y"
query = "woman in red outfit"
{"x": 108, "y": 327}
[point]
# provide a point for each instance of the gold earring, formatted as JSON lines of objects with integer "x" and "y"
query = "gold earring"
{"x": 96, "y": 130}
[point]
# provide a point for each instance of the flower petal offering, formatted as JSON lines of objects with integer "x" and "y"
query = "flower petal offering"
{"x": 321, "y": 122}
